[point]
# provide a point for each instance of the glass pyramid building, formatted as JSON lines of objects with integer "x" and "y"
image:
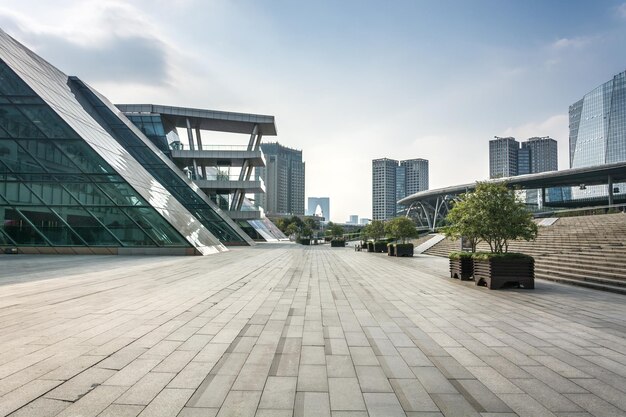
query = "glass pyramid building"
{"x": 77, "y": 177}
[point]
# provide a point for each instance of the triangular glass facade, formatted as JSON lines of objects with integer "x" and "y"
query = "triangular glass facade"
{"x": 55, "y": 190}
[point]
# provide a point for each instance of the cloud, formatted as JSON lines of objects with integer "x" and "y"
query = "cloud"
{"x": 105, "y": 41}
{"x": 621, "y": 11}
{"x": 576, "y": 42}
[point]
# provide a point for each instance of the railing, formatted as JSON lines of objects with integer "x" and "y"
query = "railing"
{"x": 224, "y": 177}
{"x": 177, "y": 146}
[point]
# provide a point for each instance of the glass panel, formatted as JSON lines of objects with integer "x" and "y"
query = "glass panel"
{"x": 52, "y": 193}
{"x": 16, "y": 158}
{"x": 88, "y": 194}
{"x": 18, "y": 229}
{"x": 188, "y": 197}
{"x": 86, "y": 226}
{"x": 85, "y": 157}
{"x": 25, "y": 100}
{"x": 48, "y": 122}
{"x": 49, "y": 155}
{"x": 122, "y": 194}
{"x": 122, "y": 226}
{"x": 51, "y": 226}
{"x": 18, "y": 193}
{"x": 11, "y": 85}
{"x": 160, "y": 230}
{"x": 4, "y": 239}
{"x": 16, "y": 124}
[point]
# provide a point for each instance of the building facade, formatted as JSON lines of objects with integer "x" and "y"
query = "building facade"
{"x": 76, "y": 176}
{"x": 543, "y": 155}
{"x": 597, "y": 134}
{"x": 503, "y": 155}
{"x": 597, "y": 124}
{"x": 393, "y": 180}
{"x": 284, "y": 178}
{"x": 321, "y": 203}
{"x": 508, "y": 157}
{"x": 384, "y": 191}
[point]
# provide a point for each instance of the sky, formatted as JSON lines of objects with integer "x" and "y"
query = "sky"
{"x": 347, "y": 81}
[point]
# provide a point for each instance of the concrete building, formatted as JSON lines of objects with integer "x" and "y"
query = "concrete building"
{"x": 508, "y": 157}
{"x": 543, "y": 154}
{"x": 503, "y": 154}
{"x": 318, "y": 206}
{"x": 354, "y": 219}
{"x": 222, "y": 171}
{"x": 284, "y": 176}
{"x": 384, "y": 192}
{"x": 393, "y": 180}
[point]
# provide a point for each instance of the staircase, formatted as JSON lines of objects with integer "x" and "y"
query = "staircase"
{"x": 589, "y": 251}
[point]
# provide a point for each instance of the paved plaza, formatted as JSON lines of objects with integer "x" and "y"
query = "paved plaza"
{"x": 285, "y": 330}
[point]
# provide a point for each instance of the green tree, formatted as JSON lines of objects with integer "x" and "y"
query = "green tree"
{"x": 491, "y": 213}
{"x": 401, "y": 228}
{"x": 335, "y": 229}
{"x": 376, "y": 229}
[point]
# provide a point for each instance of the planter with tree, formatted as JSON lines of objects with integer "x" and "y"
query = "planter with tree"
{"x": 461, "y": 265}
{"x": 493, "y": 214}
{"x": 375, "y": 231}
{"x": 336, "y": 232}
{"x": 401, "y": 229}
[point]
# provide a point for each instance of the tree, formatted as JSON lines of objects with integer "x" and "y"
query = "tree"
{"x": 336, "y": 230}
{"x": 401, "y": 228}
{"x": 491, "y": 213}
{"x": 375, "y": 230}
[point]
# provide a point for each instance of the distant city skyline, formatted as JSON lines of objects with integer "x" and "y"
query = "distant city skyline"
{"x": 345, "y": 82}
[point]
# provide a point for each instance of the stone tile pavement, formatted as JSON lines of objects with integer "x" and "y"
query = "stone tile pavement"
{"x": 283, "y": 330}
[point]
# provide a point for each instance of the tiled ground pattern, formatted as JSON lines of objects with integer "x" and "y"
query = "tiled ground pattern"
{"x": 282, "y": 330}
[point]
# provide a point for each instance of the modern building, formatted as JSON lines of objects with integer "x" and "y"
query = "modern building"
{"x": 354, "y": 219}
{"x": 392, "y": 181}
{"x": 363, "y": 221}
{"x": 503, "y": 155}
{"x": 283, "y": 176}
{"x": 384, "y": 192}
{"x": 318, "y": 206}
{"x": 597, "y": 132}
{"x": 543, "y": 155}
{"x": 508, "y": 157}
{"x": 222, "y": 171}
{"x": 76, "y": 176}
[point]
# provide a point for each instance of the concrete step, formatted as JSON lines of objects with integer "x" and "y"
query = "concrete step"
{"x": 582, "y": 283}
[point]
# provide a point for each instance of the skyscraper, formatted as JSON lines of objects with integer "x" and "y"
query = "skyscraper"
{"x": 416, "y": 175}
{"x": 384, "y": 188}
{"x": 508, "y": 159}
{"x": 597, "y": 125}
{"x": 393, "y": 180}
{"x": 284, "y": 180}
{"x": 323, "y": 203}
{"x": 503, "y": 153}
{"x": 597, "y": 132}
{"x": 543, "y": 154}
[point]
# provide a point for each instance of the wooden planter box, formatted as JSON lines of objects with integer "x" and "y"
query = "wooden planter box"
{"x": 304, "y": 241}
{"x": 380, "y": 247}
{"x": 337, "y": 243}
{"x": 391, "y": 250}
{"x": 404, "y": 249}
{"x": 462, "y": 268}
{"x": 497, "y": 272}
{"x": 370, "y": 246}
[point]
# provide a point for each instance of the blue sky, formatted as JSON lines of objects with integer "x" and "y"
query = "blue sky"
{"x": 348, "y": 81}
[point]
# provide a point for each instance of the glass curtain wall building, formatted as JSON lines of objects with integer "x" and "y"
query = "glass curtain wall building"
{"x": 597, "y": 136}
{"x": 70, "y": 179}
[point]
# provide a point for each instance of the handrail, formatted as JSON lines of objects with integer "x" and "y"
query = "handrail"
{"x": 178, "y": 146}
